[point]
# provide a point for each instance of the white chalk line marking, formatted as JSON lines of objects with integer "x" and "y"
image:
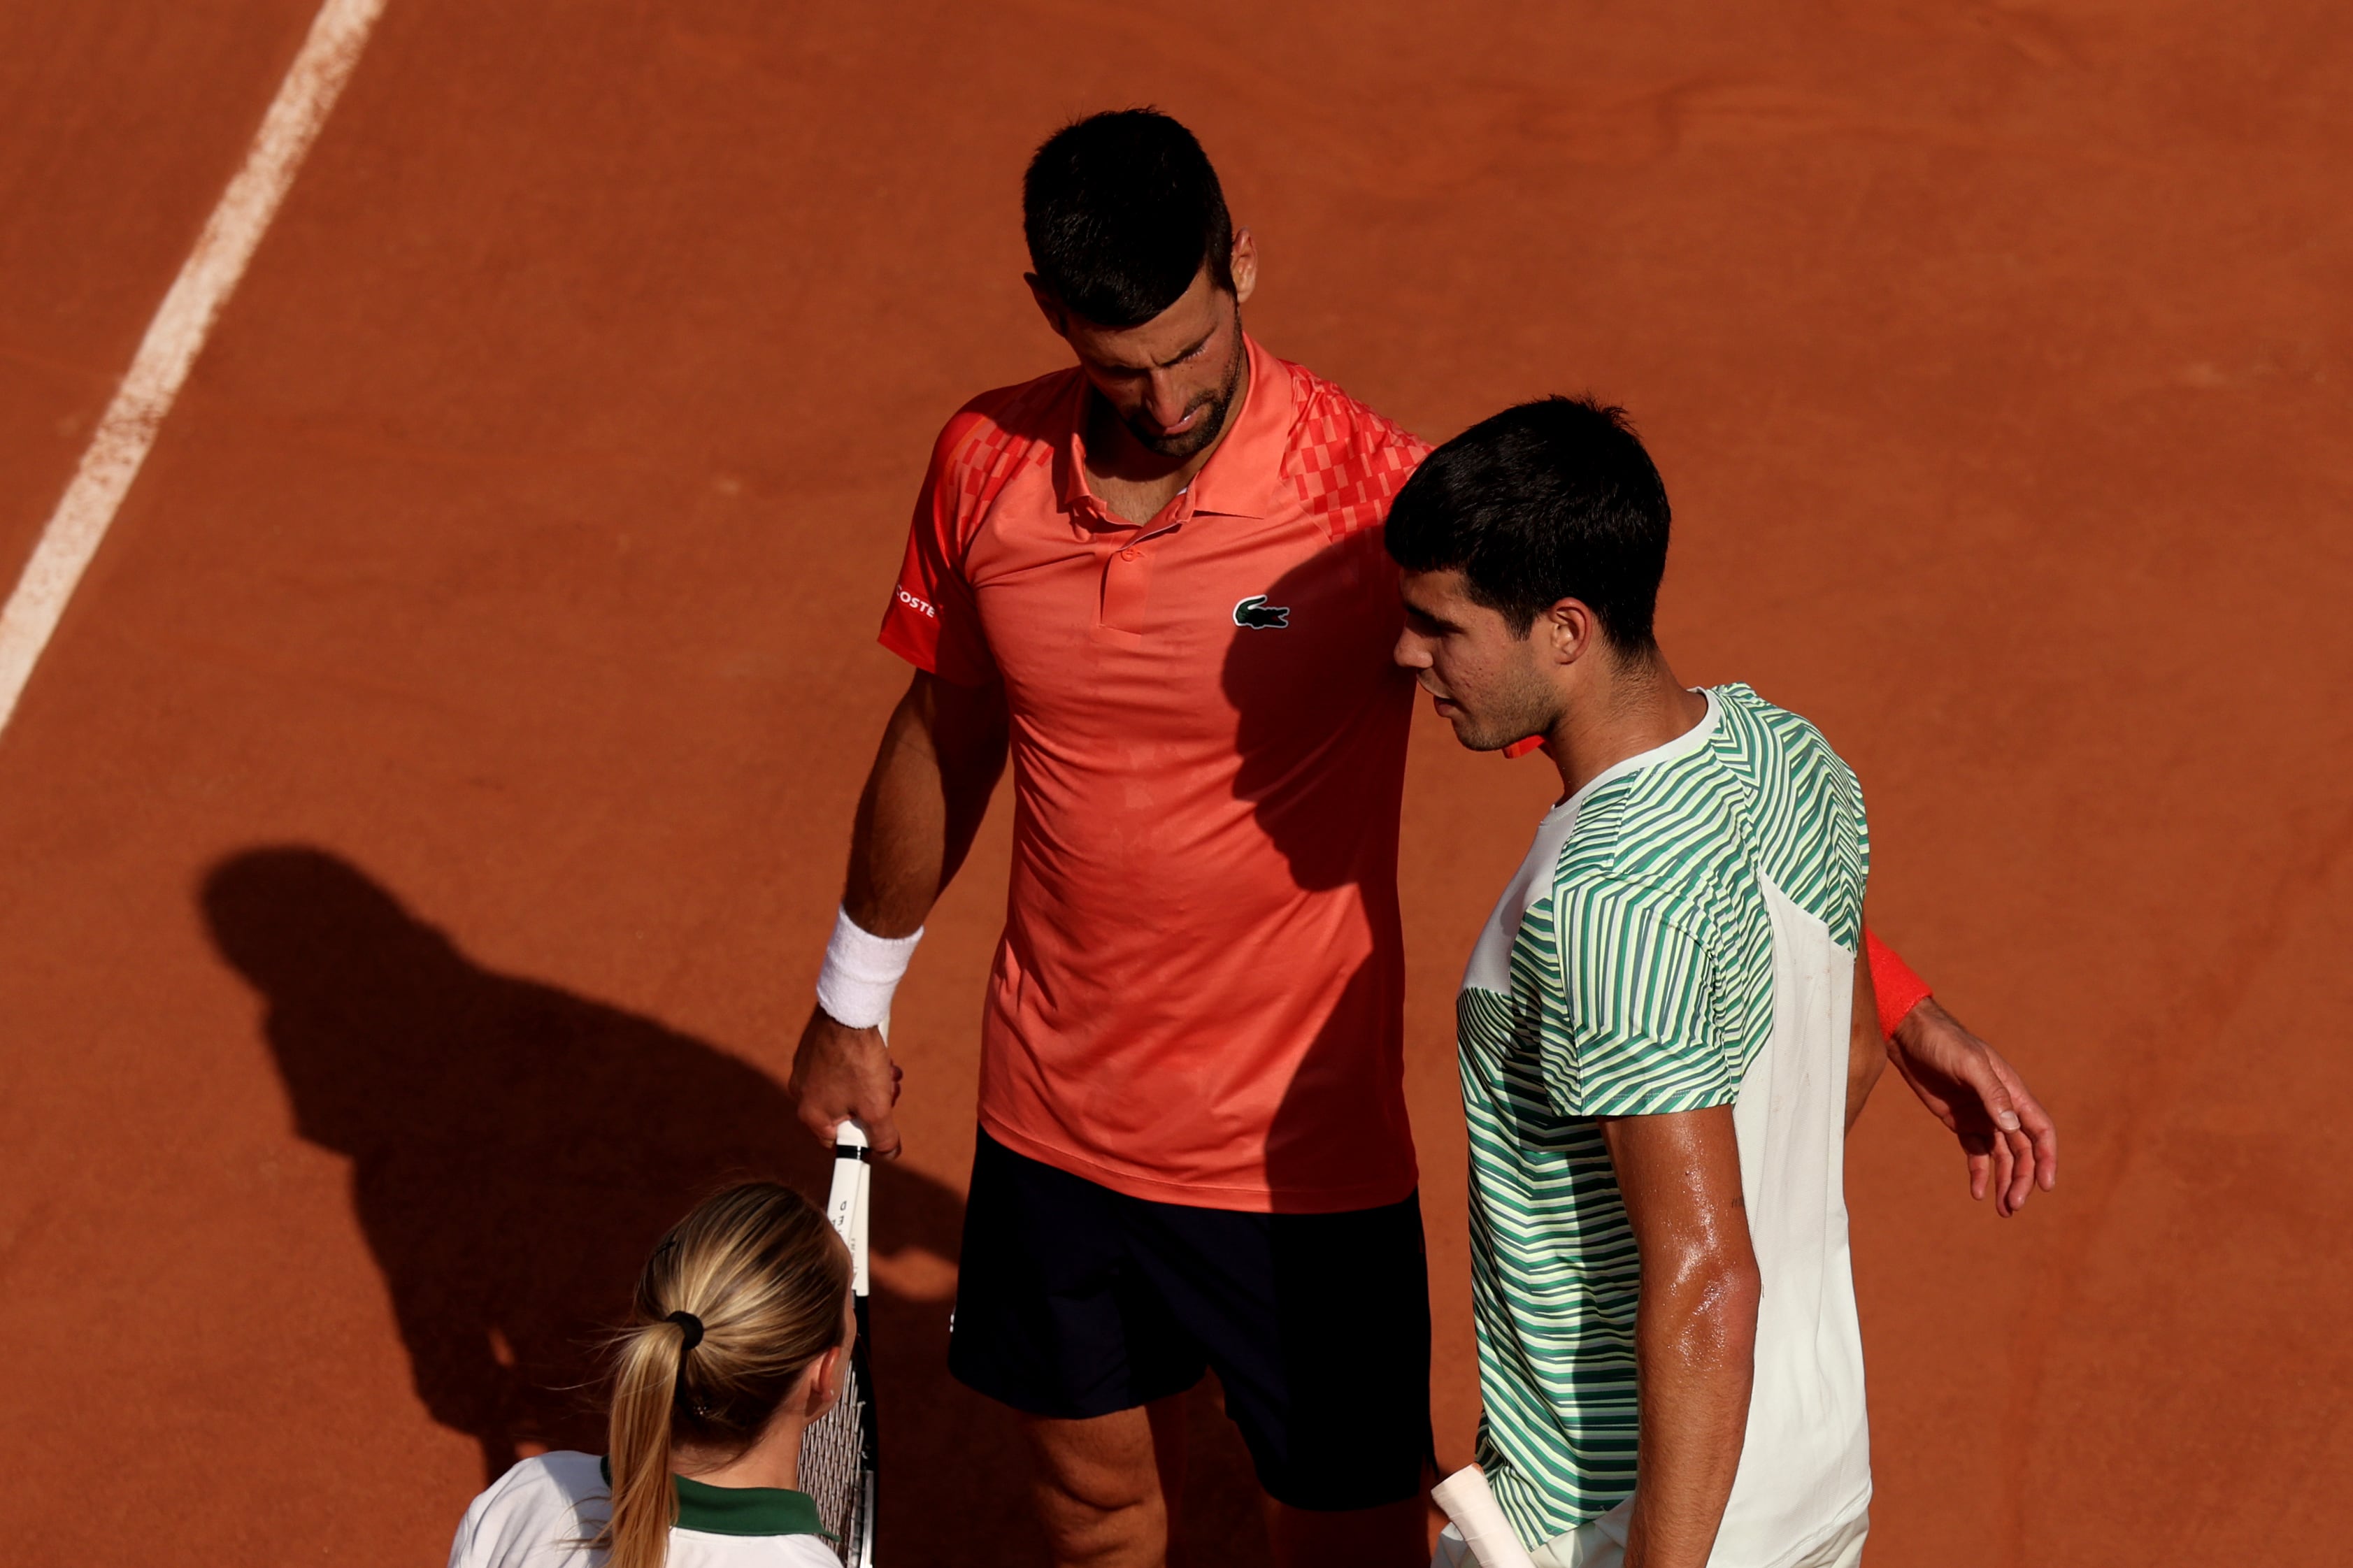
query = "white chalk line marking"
{"x": 176, "y": 336}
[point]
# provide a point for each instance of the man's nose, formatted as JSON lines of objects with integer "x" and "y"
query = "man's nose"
{"x": 1409, "y": 653}
{"x": 1165, "y": 400}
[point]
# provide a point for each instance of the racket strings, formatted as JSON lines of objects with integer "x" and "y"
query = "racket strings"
{"x": 834, "y": 1452}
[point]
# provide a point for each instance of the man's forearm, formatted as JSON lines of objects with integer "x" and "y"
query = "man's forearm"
{"x": 1694, "y": 1329}
{"x": 1695, "y": 1345}
{"x": 939, "y": 761}
{"x": 940, "y": 758}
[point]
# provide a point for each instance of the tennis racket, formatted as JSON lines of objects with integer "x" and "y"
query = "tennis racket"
{"x": 1478, "y": 1521}
{"x": 837, "y": 1450}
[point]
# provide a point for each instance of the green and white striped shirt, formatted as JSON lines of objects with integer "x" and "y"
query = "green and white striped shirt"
{"x": 1682, "y": 934}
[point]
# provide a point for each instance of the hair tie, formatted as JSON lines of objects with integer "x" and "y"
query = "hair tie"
{"x": 688, "y": 1325}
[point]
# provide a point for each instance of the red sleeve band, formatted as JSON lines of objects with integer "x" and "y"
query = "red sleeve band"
{"x": 1899, "y": 989}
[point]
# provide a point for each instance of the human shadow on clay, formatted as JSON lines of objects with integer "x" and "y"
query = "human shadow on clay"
{"x": 1328, "y": 797}
{"x": 517, "y": 1149}
{"x": 1307, "y": 787}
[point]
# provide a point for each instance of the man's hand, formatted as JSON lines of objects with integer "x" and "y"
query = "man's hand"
{"x": 2010, "y": 1141}
{"x": 841, "y": 1074}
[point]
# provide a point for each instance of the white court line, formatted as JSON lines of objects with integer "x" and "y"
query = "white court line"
{"x": 176, "y": 336}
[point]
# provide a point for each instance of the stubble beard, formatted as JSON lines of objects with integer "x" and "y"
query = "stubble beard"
{"x": 1213, "y": 414}
{"x": 1527, "y": 711}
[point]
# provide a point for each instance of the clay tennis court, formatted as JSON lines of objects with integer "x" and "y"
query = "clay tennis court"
{"x": 418, "y": 840}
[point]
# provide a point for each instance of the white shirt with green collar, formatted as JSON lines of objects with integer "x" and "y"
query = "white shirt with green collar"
{"x": 543, "y": 1513}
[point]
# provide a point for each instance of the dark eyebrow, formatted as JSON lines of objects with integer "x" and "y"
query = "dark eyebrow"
{"x": 1438, "y": 623}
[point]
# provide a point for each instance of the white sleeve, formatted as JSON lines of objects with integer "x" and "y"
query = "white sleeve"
{"x": 808, "y": 1551}
{"x": 538, "y": 1515}
{"x": 462, "y": 1553}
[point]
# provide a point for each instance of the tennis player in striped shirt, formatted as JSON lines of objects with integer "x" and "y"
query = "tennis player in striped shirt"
{"x": 1654, "y": 1034}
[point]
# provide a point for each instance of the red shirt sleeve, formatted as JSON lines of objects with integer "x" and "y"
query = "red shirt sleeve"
{"x": 1899, "y": 989}
{"x": 932, "y": 621}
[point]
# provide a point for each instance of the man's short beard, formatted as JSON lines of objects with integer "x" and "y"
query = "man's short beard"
{"x": 1492, "y": 736}
{"x": 1213, "y": 412}
{"x": 1527, "y": 711}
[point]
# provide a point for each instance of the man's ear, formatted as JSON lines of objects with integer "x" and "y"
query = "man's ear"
{"x": 1571, "y": 630}
{"x": 1049, "y": 305}
{"x": 1243, "y": 263}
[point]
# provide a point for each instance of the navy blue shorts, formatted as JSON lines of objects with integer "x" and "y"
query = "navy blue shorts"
{"x": 1073, "y": 1301}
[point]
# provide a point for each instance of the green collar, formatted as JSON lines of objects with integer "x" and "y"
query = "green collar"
{"x": 739, "y": 1511}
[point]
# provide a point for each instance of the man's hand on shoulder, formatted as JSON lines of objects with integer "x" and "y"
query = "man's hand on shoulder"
{"x": 841, "y": 1074}
{"x": 2010, "y": 1141}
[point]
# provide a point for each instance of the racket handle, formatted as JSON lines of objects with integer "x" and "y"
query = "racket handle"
{"x": 846, "y": 1204}
{"x": 1480, "y": 1519}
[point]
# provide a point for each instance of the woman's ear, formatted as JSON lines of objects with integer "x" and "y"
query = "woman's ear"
{"x": 825, "y": 1379}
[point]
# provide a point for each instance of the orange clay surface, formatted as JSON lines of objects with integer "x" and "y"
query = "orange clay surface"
{"x": 416, "y": 846}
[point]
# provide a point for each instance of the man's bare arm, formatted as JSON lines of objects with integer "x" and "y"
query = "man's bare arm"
{"x": 939, "y": 761}
{"x": 1695, "y": 1331}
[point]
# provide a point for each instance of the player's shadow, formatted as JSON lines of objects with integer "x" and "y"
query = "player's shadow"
{"x": 515, "y": 1152}
{"x": 1328, "y": 794}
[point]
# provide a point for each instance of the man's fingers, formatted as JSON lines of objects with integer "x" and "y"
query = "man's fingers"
{"x": 1980, "y": 1157}
{"x": 2005, "y": 1173}
{"x": 2021, "y": 1183}
{"x": 2035, "y": 1120}
{"x": 1979, "y": 1071}
{"x": 819, "y": 1122}
{"x": 2046, "y": 1154}
{"x": 882, "y": 1135}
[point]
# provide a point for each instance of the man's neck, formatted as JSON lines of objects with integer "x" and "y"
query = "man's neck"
{"x": 1637, "y": 707}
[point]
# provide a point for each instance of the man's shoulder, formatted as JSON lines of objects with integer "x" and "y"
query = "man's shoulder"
{"x": 1346, "y": 460}
{"x": 1687, "y": 839}
{"x": 1004, "y": 429}
{"x": 1799, "y": 787}
{"x": 1661, "y": 835}
{"x": 1806, "y": 817}
{"x": 1773, "y": 735}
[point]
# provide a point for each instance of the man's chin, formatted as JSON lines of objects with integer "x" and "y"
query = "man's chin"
{"x": 1184, "y": 443}
{"x": 1472, "y": 736}
{"x": 1477, "y": 737}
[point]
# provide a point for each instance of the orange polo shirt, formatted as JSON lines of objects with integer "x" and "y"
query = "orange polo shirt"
{"x": 1199, "y": 995}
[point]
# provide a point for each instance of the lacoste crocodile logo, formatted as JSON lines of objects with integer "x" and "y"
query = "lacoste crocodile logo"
{"x": 1258, "y": 615}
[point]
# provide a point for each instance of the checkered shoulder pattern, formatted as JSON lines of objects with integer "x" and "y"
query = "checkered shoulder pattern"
{"x": 1347, "y": 461}
{"x": 994, "y": 437}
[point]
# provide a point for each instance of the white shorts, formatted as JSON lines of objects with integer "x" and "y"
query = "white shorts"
{"x": 1601, "y": 1543}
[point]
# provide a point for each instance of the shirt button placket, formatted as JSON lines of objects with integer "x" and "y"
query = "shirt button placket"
{"x": 1127, "y": 576}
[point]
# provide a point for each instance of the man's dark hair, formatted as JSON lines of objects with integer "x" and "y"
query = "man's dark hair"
{"x": 1122, "y": 210}
{"x": 1550, "y": 500}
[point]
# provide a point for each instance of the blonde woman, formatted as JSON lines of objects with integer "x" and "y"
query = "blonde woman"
{"x": 741, "y": 1338}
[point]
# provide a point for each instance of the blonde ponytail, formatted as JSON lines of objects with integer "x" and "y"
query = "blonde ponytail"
{"x": 738, "y": 1299}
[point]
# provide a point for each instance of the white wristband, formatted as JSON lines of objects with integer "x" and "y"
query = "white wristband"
{"x": 862, "y": 969}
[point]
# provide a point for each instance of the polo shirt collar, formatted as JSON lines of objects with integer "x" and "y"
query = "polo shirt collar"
{"x": 739, "y": 1511}
{"x": 1237, "y": 481}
